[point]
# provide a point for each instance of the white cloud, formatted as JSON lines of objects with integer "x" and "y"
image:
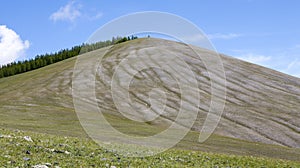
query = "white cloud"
{"x": 284, "y": 63}
{"x": 285, "y": 60}
{"x": 11, "y": 45}
{"x": 223, "y": 36}
{"x": 193, "y": 38}
{"x": 73, "y": 11}
{"x": 293, "y": 68}
{"x": 203, "y": 37}
{"x": 256, "y": 59}
{"x": 293, "y": 64}
{"x": 95, "y": 17}
{"x": 70, "y": 12}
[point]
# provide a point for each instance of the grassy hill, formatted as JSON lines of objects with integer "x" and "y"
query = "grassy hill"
{"x": 261, "y": 116}
{"x": 51, "y": 151}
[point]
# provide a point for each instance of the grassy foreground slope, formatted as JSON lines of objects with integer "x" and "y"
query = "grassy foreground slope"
{"x": 51, "y": 151}
{"x": 262, "y": 106}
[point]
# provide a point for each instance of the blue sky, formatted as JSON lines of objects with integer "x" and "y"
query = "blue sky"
{"x": 265, "y": 32}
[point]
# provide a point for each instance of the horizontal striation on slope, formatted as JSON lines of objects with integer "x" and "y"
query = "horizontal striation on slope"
{"x": 262, "y": 105}
{"x": 263, "y": 100}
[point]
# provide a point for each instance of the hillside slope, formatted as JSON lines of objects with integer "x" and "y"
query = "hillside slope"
{"x": 262, "y": 105}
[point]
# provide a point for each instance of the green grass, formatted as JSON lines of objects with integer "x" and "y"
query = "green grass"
{"x": 40, "y": 101}
{"x": 51, "y": 149}
{"x": 215, "y": 144}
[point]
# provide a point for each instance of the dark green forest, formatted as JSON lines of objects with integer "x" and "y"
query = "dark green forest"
{"x": 39, "y": 61}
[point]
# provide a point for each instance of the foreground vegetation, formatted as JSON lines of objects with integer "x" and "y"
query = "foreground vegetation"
{"x": 17, "y": 150}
